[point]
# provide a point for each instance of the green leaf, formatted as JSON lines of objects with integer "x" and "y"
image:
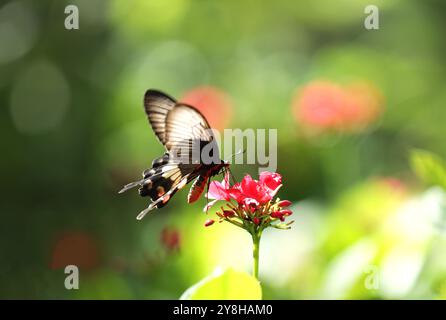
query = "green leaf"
{"x": 429, "y": 167}
{"x": 225, "y": 284}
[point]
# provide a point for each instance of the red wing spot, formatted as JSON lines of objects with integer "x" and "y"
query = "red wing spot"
{"x": 166, "y": 198}
{"x": 160, "y": 190}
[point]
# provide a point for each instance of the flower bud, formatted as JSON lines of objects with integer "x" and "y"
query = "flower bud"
{"x": 228, "y": 213}
{"x": 276, "y": 214}
{"x": 256, "y": 221}
{"x": 286, "y": 212}
{"x": 281, "y": 214}
{"x": 209, "y": 222}
{"x": 284, "y": 203}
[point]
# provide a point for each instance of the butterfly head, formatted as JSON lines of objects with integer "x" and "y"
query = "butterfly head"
{"x": 225, "y": 164}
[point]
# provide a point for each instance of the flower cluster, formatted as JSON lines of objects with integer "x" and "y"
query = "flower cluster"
{"x": 250, "y": 204}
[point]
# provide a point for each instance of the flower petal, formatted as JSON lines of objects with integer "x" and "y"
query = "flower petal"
{"x": 251, "y": 188}
{"x": 271, "y": 180}
{"x": 209, "y": 205}
{"x": 217, "y": 190}
{"x": 236, "y": 194}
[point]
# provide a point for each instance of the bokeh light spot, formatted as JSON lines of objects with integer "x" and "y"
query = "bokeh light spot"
{"x": 138, "y": 17}
{"x": 18, "y": 30}
{"x": 39, "y": 99}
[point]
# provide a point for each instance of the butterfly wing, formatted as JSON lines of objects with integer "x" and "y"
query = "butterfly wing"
{"x": 197, "y": 187}
{"x": 185, "y": 124}
{"x": 157, "y": 106}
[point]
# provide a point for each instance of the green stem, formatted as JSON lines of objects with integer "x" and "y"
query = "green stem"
{"x": 255, "y": 253}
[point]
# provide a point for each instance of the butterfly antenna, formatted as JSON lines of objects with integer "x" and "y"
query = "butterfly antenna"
{"x": 237, "y": 153}
{"x": 232, "y": 176}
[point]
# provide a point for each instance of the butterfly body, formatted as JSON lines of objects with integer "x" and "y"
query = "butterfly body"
{"x": 184, "y": 132}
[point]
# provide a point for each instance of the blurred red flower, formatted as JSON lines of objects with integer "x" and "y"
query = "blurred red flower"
{"x": 212, "y": 102}
{"x": 75, "y": 248}
{"x": 171, "y": 239}
{"x": 394, "y": 184}
{"x": 324, "y": 105}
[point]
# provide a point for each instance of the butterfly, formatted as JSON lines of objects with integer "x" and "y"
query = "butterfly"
{"x": 184, "y": 132}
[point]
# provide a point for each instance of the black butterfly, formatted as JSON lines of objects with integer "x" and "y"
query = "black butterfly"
{"x": 182, "y": 130}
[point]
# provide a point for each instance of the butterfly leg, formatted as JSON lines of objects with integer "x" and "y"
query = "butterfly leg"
{"x": 207, "y": 193}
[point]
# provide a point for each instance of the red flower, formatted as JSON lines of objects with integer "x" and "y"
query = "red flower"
{"x": 252, "y": 191}
{"x": 256, "y": 207}
{"x": 254, "y": 201}
{"x": 249, "y": 193}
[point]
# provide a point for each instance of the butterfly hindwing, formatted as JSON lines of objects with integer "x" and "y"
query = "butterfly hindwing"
{"x": 197, "y": 188}
{"x": 163, "y": 181}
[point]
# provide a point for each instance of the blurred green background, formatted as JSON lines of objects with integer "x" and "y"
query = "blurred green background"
{"x": 349, "y": 104}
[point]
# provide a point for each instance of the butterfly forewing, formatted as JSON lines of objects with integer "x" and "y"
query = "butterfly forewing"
{"x": 157, "y": 105}
{"x": 185, "y": 123}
